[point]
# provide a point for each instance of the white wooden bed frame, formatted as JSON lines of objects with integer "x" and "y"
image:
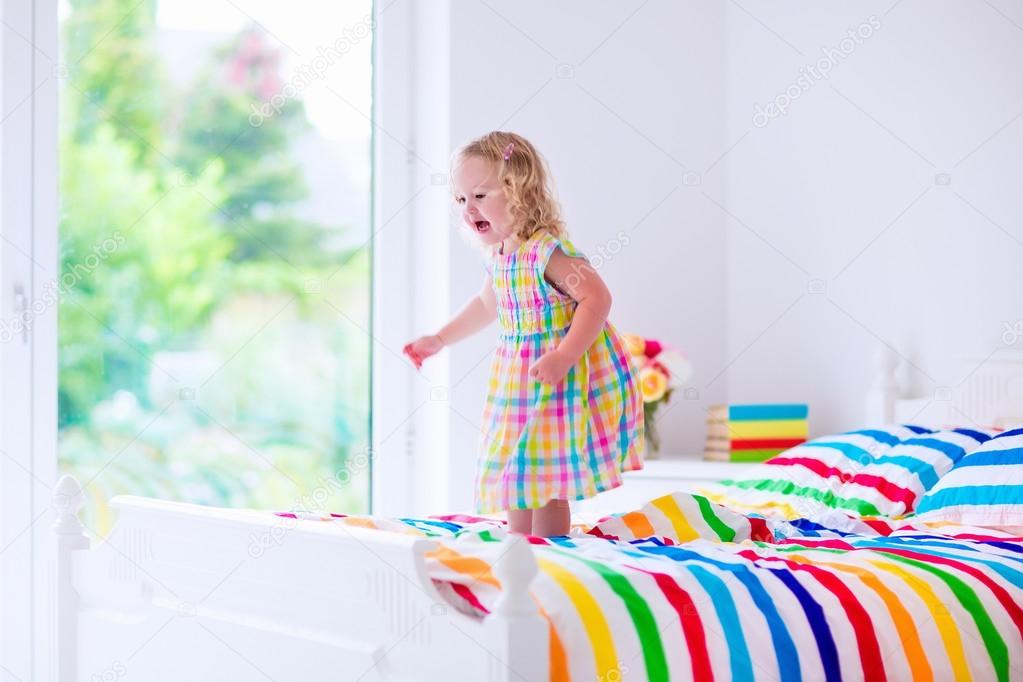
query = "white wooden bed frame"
{"x": 188, "y": 593}
{"x": 989, "y": 393}
{"x": 184, "y": 592}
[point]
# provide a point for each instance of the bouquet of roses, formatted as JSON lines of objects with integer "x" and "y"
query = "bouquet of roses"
{"x": 661, "y": 370}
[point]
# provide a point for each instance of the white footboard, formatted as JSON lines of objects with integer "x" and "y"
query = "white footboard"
{"x": 183, "y": 592}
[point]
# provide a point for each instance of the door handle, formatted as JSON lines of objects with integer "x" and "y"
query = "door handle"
{"x": 21, "y": 311}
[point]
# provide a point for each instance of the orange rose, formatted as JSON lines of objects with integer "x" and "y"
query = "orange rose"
{"x": 652, "y": 384}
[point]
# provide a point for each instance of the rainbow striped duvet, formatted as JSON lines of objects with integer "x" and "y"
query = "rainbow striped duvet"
{"x": 889, "y": 603}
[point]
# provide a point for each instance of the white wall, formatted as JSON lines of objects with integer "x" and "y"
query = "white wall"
{"x": 645, "y": 112}
{"x": 847, "y": 189}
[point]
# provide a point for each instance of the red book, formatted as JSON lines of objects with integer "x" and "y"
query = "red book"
{"x": 765, "y": 443}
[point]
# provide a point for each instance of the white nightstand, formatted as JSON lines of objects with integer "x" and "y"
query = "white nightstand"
{"x": 658, "y": 477}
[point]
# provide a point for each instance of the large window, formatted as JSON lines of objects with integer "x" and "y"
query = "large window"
{"x": 214, "y": 294}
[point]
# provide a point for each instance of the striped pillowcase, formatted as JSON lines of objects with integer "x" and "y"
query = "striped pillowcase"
{"x": 681, "y": 517}
{"x": 872, "y": 472}
{"x": 892, "y": 481}
{"x": 985, "y": 488}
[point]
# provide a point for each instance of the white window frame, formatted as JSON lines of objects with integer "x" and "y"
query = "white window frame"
{"x": 28, "y": 362}
{"x": 412, "y": 145}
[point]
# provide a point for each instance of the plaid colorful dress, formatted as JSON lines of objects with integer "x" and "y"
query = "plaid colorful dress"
{"x": 542, "y": 442}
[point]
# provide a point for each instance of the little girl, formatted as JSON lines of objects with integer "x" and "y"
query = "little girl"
{"x": 563, "y": 415}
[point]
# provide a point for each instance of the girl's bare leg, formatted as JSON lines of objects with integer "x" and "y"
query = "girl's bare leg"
{"x": 520, "y": 521}
{"x": 553, "y": 519}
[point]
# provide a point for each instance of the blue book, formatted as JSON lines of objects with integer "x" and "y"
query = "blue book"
{"x": 757, "y": 412}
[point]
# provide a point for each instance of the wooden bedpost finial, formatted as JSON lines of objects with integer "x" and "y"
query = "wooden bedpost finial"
{"x": 516, "y": 569}
{"x": 68, "y": 500}
{"x": 70, "y": 537}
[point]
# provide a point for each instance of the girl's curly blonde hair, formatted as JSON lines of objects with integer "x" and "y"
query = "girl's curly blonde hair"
{"x": 525, "y": 177}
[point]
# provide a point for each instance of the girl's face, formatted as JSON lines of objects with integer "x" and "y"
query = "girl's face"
{"x": 481, "y": 198}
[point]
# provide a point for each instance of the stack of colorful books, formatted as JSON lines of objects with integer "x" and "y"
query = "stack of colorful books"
{"x": 754, "y": 433}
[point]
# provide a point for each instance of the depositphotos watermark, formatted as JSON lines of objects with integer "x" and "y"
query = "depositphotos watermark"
{"x": 605, "y": 253}
{"x": 811, "y": 74}
{"x": 308, "y": 73}
{"x": 114, "y": 671}
{"x": 1012, "y": 332}
{"x": 615, "y": 674}
{"x": 55, "y": 290}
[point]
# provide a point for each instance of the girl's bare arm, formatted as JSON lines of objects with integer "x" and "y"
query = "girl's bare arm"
{"x": 478, "y": 312}
{"x": 577, "y": 278}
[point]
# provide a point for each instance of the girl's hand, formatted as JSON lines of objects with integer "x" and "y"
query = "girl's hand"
{"x": 552, "y": 367}
{"x": 422, "y": 348}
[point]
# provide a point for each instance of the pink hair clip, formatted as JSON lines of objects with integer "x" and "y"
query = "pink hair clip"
{"x": 508, "y": 150}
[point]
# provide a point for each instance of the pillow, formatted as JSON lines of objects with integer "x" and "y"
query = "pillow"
{"x": 681, "y": 517}
{"x": 871, "y": 472}
{"x": 985, "y": 488}
{"x": 896, "y": 475}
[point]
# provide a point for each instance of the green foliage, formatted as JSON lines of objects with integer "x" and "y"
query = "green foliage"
{"x": 161, "y": 273}
{"x": 196, "y": 361}
{"x": 114, "y": 75}
{"x": 233, "y": 118}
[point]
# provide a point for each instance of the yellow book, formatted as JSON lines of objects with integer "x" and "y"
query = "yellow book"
{"x": 765, "y": 428}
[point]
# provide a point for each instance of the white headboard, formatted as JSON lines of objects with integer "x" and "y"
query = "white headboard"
{"x": 991, "y": 395}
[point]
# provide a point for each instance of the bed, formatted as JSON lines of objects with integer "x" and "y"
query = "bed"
{"x": 681, "y": 588}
